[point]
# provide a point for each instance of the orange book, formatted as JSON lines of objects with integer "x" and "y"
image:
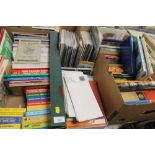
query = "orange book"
{"x": 99, "y": 122}
{"x": 150, "y": 95}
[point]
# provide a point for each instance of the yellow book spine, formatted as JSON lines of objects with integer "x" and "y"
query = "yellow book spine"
{"x": 38, "y": 107}
{"x": 37, "y": 118}
{"x": 11, "y": 114}
{"x": 10, "y": 126}
{"x": 12, "y": 109}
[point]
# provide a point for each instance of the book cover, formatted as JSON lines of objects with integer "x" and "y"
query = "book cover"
{"x": 10, "y": 120}
{"x": 39, "y": 112}
{"x": 10, "y": 126}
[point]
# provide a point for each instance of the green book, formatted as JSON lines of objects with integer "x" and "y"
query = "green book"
{"x": 6, "y": 46}
{"x": 56, "y": 86}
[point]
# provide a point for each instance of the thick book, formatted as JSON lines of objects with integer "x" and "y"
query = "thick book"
{"x": 56, "y": 95}
{"x": 10, "y": 120}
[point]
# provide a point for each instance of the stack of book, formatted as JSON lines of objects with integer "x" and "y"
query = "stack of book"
{"x": 30, "y": 53}
{"x": 136, "y": 57}
{"x": 117, "y": 46}
{"x": 75, "y": 47}
{"x": 38, "y": 108}
{"x": 11, "y": 112}
{"x": 83, "y": 104}
{"x": 30, "y": 71}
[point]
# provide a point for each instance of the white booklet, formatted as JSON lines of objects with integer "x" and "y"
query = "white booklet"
{"x": 84, "y": 102}
{"x": 28, "y": 51}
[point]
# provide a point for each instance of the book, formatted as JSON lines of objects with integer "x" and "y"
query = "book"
{"x": 32, "y": 119}
{"x": 10, "y": 120}
{"x": 57, "y": 107}
{"x": 10, "y": 126}
{"x": 38, "y": 112}
{"x": 33, "y": 99}
{"x": 36, "y": 125}
{"x": 81, "y": 86}
{"x": 99, "y": 122}
{"x": 12, "y": 110}
{"x": 30, "y": 71}
{"x": 41, "y": 102}
{"x": 11, "y": 114}
{"x": 141, "y": 67}
{"x": 6, "y": 45}
{"x": 37, "y": 95}
{"x": 125, "y": 86}
{"x": 28, "y": 51}
{"x": 37, "y": 90}
{"x": 138, "y": 97}
{"x": 38, "y": 107}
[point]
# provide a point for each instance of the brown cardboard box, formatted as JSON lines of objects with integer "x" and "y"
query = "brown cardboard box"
{"x": 116, "y": 110}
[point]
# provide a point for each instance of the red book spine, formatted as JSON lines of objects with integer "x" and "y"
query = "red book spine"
{"x": 30, "y": 71}
{"x": 38, "y": 103}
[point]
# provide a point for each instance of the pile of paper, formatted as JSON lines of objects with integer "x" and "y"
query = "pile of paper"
{"x": 80, "y": 100}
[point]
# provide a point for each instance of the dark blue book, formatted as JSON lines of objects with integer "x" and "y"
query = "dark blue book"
{"x": 10, "y": 120}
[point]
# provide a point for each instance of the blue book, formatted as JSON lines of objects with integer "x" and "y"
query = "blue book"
{"x": 30, "y": 99}
{"x": 26, "y": 78}
{"x": 39, "y": 112}
{"x": 137, "y": 102}
{"x": 10, "y": 120}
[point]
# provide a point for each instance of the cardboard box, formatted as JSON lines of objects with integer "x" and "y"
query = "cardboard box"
{"x": 116, "y": 110}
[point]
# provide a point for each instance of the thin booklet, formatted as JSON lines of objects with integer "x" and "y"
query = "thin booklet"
{"x": 28, "y": 51}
